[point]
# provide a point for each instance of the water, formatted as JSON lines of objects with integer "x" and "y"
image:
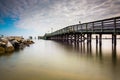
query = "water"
{"x": 50, "y": 60}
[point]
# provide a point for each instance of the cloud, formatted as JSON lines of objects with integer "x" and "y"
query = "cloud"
{"x": 42, "y": 15}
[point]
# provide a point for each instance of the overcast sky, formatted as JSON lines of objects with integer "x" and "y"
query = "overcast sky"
{"x": 37, "y": 17}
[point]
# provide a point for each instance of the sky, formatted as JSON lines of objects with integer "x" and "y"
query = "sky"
{"x": 37, "y": 17}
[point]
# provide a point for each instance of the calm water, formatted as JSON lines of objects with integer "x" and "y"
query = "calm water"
{"x": 50, "y": 60}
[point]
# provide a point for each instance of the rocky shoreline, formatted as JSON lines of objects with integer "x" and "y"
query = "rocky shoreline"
{"x": 10, "y": 44}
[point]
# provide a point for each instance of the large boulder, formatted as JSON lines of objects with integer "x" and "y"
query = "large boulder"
{"x": 9, "y": 47}
{"x": 15, "y": 44}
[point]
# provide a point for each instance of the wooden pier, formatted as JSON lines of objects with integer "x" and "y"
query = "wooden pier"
{"x": 78, "y": 32}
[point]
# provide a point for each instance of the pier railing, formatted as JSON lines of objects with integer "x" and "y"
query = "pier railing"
{"x": 105, "y": 26}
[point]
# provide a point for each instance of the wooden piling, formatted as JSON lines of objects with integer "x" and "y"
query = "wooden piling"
{"x": 114, "y": 39}
{"x": 100, "y": 46}
{"x": 100, "y": 39}
{"x": 96, "y": 45}
{"x": 96, "y": 40}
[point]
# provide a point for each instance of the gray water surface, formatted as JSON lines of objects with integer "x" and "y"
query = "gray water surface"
{"x": 50, "y": 60}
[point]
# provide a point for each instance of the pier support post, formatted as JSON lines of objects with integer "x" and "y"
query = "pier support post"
{"x": 80, "y": 37}
{"x": 114, "y": 48}
{"x": 71, "y": 36}
{"x": 96, "y": 41}
{"x": 83, "y": 47}
{"x": 89, "y": 43}
{"x": 114, "y": 39}
{"x": 89, "y": 37}
{"x": 100, "y": 39}
{"x": 114, "y": 56}
{"x": 75, "y": 38}
{"x": 100, "y": 46}
{"x": 96, "y": 45}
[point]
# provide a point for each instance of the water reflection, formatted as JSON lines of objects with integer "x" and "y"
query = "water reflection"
{"x": 86, "y": 48}
{"x": 11, "y": 53}
{"x": 114, "y": 56}
{"x": 55, "y": 60}
{"x": 6, "y": 54}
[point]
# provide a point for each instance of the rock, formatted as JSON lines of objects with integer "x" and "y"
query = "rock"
{"x": 22, "y": 45}
{"x": 9, "y": 44}
{"x": 15, "y": 43}
{"x": 25, "y": 42}
{"x": 4, "y": 40}
{"x": 9, "y": 47}
{"x": 2, "y": 44}
{"x": 2, "y": 50}
{"x": 30, "y": 41}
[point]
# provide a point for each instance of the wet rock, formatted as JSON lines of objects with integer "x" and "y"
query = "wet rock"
{"x": 15, "y": 43}
{"x": 30, "y": 41}
{"x": 22, "y": 46}
{"x": 2, "y": 44}
{"x": 25, "y": 42}
{"x": 9, "y": 47}
{"x": 2, "y": 50}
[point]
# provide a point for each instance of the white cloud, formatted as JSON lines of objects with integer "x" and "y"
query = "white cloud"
{"x": 42, "y": 15}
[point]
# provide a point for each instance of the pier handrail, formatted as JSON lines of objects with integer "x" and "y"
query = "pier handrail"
{"x": 110, "y": 25}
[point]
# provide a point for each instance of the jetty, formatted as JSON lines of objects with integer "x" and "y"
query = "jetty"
{"x": 12, "y": 43}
